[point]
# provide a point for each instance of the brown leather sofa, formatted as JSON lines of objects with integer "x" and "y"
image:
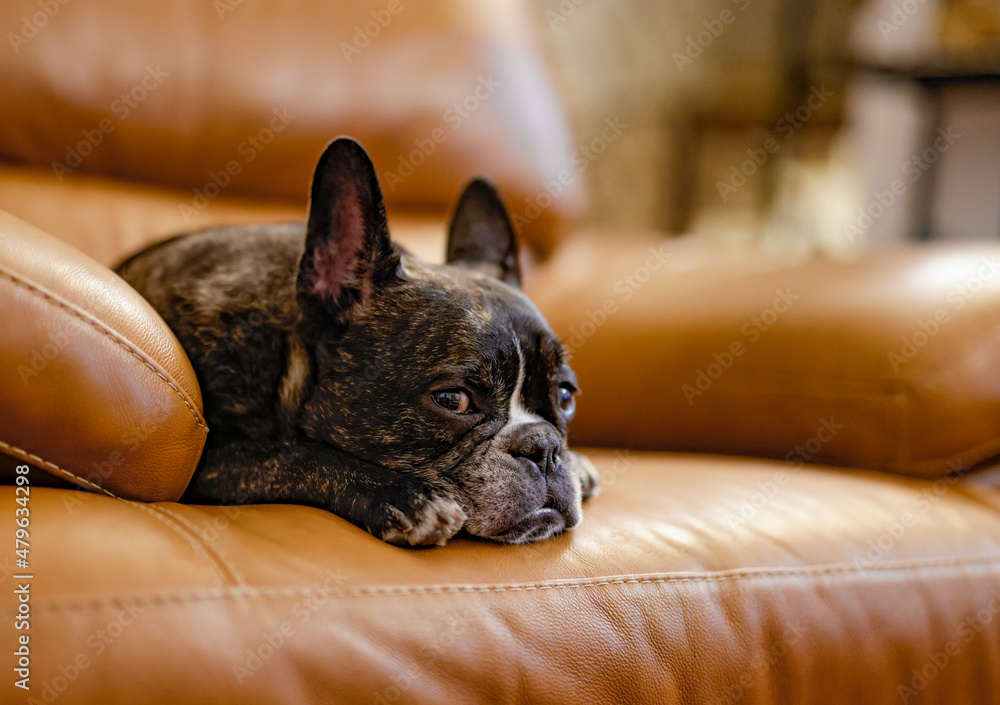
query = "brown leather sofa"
{"x": 798, "y": 501}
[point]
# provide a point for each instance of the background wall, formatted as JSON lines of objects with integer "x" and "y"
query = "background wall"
{"x": 705, "y": 86}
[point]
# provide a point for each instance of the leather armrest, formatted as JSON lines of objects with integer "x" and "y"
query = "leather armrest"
{"x": 888, "y": 363}
{"x": 94, "y": 387}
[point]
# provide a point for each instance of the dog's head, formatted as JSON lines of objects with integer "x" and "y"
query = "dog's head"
{"x": 445, "y": 371}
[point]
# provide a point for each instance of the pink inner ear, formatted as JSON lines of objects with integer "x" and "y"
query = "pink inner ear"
{"x": 336, "y": 263}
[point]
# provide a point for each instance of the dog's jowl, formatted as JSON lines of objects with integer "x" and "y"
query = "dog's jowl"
{"x": 339, "y": 371}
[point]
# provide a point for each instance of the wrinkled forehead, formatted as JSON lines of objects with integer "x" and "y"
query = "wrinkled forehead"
{"x": 482, "y": 315}
{"x": 517, "y": 318}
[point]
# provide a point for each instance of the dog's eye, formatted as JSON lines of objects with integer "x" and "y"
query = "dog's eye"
{"x": 454, "y": 400}
{"x": 567, "y": 398}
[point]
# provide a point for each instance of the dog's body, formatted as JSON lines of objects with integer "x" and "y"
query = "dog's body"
{"x": 340, "y": 371}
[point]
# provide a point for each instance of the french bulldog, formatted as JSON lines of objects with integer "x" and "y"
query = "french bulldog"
{"x": 340, "y": 371}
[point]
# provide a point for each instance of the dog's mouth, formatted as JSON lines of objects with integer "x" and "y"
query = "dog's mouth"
{"x": 539, "y": 520}
{"x": 510, "y": 498}
{"x": 537, "y": 526}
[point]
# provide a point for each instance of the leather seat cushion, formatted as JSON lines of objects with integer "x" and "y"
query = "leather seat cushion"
{"x": 682, "y": 584}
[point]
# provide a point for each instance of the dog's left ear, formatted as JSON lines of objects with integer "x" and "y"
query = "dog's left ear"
{"x": 481, "y": 236}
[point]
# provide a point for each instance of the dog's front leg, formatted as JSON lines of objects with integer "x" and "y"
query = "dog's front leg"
{"x": 396, "y": 507}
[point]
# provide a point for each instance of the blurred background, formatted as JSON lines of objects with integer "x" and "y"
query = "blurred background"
{"x": 884, "y": 116}
{"x": 792, "y": 125}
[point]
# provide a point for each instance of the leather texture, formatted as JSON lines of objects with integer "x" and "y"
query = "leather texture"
{"x": 885, "y": 363}
{"x": 241, "y": 97}
{"x": 95, "y": 388}
{"x": 691, "y": 580}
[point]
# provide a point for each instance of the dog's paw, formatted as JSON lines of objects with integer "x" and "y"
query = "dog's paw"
{"x": 428, "y": 521}
{"x": 590, "y": 479}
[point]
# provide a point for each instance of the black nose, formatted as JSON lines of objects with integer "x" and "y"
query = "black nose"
{"x": 538, "y": 443}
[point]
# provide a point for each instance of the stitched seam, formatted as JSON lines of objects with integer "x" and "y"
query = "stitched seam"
{"x": 108, "y": 333}
{"x": 389, "y": 591}
{"x": 216, "y": 550}
{"x": 41, "y": 461}
{"x": 198, "y": 545}
{"x": 983, "y": 451}
{"x": 194, "y": 543}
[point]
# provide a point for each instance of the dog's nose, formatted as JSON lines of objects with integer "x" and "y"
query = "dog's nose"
{"x": 538, "y": 443}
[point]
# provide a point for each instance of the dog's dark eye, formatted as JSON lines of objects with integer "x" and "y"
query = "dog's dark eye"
{"x": 567, "y": 398}
{"x": 454, "y": 400}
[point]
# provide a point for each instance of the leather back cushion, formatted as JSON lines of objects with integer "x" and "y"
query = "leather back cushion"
{"x": 94, "y": 387}
{"x": 240, "y": 96}
{"x": 886, "y": 363}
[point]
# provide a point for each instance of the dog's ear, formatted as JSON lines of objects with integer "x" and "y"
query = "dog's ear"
{"x": 481, "y": 235}
{"x": 348, "y": 252}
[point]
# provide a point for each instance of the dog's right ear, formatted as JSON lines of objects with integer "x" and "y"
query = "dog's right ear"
{"x": 348, "y": 253}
